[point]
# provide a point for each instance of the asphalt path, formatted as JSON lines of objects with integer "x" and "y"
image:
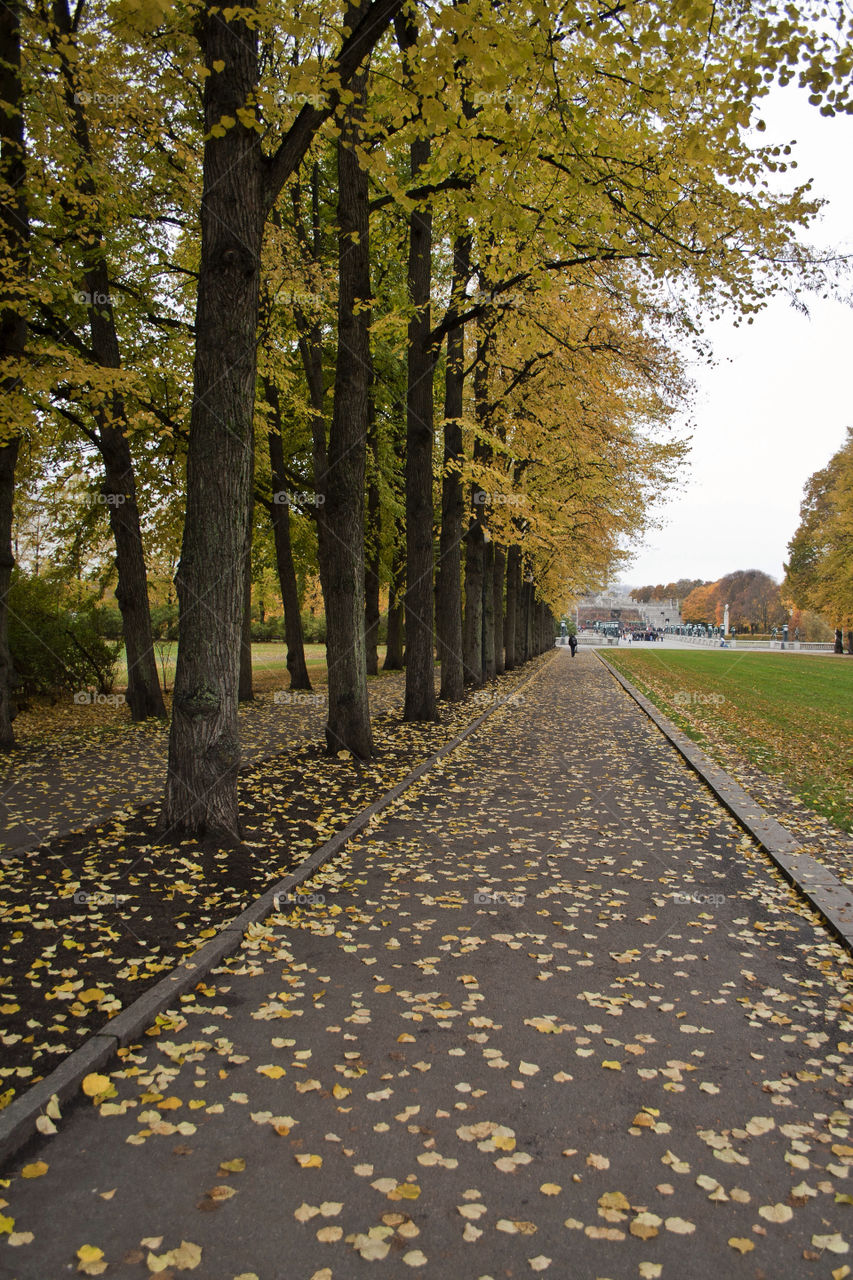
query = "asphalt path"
{"x": 554, "y": 1012}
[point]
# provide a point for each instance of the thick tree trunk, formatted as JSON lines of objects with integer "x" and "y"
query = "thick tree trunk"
{"x": 373, "y": 536}
{"x": 513, "y": 589}
{"x": 204, "y": 748}
{"x": 341, "y": 516}
{"x": 489, "y": 611}
{"x": 14, "y": 259}
{"x": 449, "y": 581}
{"x": 280, "y": 518}
{"x": 420, "y": 664}
{"x": 498, "y": 606}
{"x": 394, "y": 656}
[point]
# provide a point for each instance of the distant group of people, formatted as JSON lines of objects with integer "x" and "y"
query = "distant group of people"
{"x": 630, "y": 635}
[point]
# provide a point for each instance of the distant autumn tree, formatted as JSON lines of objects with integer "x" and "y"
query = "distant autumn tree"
{"x": 819, "y": 572}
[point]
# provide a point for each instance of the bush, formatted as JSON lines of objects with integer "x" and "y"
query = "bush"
{"x": 109, "y": 622}
{"x": 269, "y": 629}
{"x": 313, "y": 628}
{"x": 55, "y": 638}
{"x": 164, "y": 621}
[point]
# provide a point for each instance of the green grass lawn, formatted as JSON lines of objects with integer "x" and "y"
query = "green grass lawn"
{"x": 788, "y": 714}
{"x": 269, "y": 664}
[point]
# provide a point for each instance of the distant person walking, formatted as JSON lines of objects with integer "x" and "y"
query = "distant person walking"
{"x": 573, "y": 644}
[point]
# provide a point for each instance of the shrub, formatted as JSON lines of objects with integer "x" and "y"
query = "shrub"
{"x": 313, "y": 628}
{"x": 55, "y": 638}
{"x": 269, "y": 629}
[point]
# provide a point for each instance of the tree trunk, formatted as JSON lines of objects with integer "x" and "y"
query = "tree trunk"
{"x": 341, "y": 516}
{"x": 143, "y": 685}
{"x": 8, "y": 459}
{"x": 527, "y": 612}
{"x": 498, "y": 606}
{"x": 119, "y": 488}
{"x": 14, "y": 260}
{"x": 449, "y": 581}
{"x": 420, "y": 665}
{"x": 513, "y": 588}
{"x": 489, "y": 610}
{"x": 394, "y": 657}
{"x": 374, "y": 549}
{"x": 204, "y": 748}
{"x": 472, "y": 635}
{"x": 280, "y": 517}
{"x": 245, "y": 692}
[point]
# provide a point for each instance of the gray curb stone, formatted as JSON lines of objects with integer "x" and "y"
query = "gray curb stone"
{"x": 18, "y": 1120}
{"x": 825, "y": 892}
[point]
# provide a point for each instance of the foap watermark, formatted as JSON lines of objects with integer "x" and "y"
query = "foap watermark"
{"x": 299, "y": 298}
{"x": 497, "y": 298}
{"x": 298, "y": 498}
{"x": 482, "y": 498}
{"x": 696, "y": 899}
{"x": 685, "y": 697}
{"x": 498, "y": 897}
{"x": 494, "y": 697}
{"x": 298, "y": 698}
{"x": 92, "y": 98}
{"x": 99, "y": 499}
{"x": 88, "y": 698}
{"x": 97, "y": 898}
{"x": 94, "y": 299}
{"x": 284, "y": 900}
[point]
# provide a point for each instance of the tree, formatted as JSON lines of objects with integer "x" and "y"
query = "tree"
{"x": 241, "y": 183}
{"x": 819, "y": 572}
{"x": 14, "y": 257}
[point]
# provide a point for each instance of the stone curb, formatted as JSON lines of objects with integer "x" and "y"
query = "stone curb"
{"x": 18, "y": 1120}
{"x": 832, "y": 899}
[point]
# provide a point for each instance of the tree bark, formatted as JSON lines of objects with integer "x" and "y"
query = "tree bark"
{"x": 420, "y": 664}
{"x": 280, "y": 517}
{"x": 527, "y": 613}
{"x": 513, "y": 588}
{"x": 14, "y": 262}
{"x": 498, "y": 606}
{"x": 341, "y": 516}
{"x": 204, "y": 748}
{"x": 449, "y": 580}
{"x": 489, "y": 611}
{"x": 394, "y": 656}
{"x": 374, "y": 548}
{"x": 245, "y": 692}
{"x": 472, "y": 634}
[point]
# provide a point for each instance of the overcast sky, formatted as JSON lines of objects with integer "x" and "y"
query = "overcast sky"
{"x": 776, "y": 405}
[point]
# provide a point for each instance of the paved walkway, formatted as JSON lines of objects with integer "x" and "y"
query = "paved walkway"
{"x": 555, "y": 1013}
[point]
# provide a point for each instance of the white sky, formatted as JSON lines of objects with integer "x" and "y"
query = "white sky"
{"x": 775, "y": 407}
